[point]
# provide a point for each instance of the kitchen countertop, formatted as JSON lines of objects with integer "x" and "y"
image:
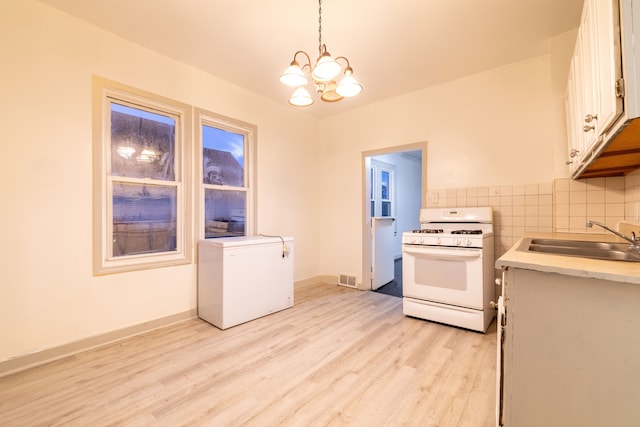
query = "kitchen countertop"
{"x": 617, "y": 271}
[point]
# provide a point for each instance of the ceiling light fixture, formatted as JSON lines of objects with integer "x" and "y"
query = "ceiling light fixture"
{"x": 322, "y": 74}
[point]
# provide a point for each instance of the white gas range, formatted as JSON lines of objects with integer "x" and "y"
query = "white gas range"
{"x": 448, "y": 267}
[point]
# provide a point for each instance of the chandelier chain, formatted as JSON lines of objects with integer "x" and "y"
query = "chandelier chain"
{"x": 319, "y": 28}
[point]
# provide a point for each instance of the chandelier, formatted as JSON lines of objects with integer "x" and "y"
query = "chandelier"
{"x": 323, "y": 75}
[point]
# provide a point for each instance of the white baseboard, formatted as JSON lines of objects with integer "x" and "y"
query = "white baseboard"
{"x": 26, "y": 361}
{"x": 21, "y": 363}
{"x": 330, "y": 280}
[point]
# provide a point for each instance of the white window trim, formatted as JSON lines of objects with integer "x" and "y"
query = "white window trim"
{"x": 250, "y": 132}
{"x": 103, "y": 262}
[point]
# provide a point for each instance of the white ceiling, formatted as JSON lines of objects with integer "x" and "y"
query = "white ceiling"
{"x": 394, "y": 47}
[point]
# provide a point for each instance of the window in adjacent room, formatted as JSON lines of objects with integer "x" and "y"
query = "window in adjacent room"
{"x": 382, "y": 190}
{"x": 227, "y": 179}
{"x": 141, "y": 211}
{"x": 372, "y": 191}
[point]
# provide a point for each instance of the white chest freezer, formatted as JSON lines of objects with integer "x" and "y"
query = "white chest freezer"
{"x": 243, "y": 278}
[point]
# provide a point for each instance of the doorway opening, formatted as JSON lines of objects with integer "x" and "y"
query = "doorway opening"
{"x": 393, "y": 182}
{"x": 394, "y": 287}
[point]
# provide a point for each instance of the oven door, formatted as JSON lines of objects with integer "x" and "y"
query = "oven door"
{"x": 443, "y": 274}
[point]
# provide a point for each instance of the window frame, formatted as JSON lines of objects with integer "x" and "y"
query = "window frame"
{"x": 250, "y": 133}
{"x": 104, "y": 92}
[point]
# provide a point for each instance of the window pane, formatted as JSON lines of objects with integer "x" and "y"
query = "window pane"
{"x": 142, "y": 143}
{"x": 224, "y": 213}
{"x": 144, "y": 219}
{"x": 386, "y": 208}
{"x": 384, "y": 185}
{"x": 373, "y": 208}
{"x": 372, "y": 181}
{"x": 222, "y": 157}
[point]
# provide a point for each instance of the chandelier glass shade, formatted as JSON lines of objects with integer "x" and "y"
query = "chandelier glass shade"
{"x": 323, "y": 75}
{"x": 301, "y": 97}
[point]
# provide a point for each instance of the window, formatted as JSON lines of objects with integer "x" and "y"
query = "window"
{"x": 372, "y": 191}
{"x": 385, "y": 192}
{"x": 140, "y": 179}
{"x": 227, "y": 149}
{"x": 381, "y": 197}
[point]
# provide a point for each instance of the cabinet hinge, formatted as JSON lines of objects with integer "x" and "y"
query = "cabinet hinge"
{"x": 620, "y": 88}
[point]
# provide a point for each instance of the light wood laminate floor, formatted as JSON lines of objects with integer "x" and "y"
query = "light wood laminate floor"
{"x": 338, "y": 357}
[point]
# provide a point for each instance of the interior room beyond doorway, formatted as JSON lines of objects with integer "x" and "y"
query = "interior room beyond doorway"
{"x": 393, "y": 180}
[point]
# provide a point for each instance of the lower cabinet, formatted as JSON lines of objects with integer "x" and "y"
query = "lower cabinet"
{"x": 570, "y": 353}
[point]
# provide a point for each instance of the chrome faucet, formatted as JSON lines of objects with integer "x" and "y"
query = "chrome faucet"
{"x": 634, "y": 242}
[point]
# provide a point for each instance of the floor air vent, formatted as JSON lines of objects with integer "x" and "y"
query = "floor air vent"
{"x": 346, "y": 280}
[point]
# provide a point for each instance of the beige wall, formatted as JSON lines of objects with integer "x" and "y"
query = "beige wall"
{"x": 503, "y": 127}
{"x": 48, "y": 295}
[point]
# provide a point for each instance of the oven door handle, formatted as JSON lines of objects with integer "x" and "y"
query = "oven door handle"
{"x": 442, "y": 253}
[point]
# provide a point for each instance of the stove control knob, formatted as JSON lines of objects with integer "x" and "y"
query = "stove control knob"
{"x": 459, "y": 242}
{"x": 468, "y": 242}
{"x": 439, "y": 241}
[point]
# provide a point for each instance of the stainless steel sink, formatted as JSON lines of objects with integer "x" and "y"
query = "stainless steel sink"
{"x": 580, "y": 248}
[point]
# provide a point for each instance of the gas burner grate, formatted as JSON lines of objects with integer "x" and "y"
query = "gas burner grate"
{"x": 429, "y": 230}
{"x": 466, "y": 232}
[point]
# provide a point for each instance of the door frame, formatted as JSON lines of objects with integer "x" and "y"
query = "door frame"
{"x": 366, "y": 208}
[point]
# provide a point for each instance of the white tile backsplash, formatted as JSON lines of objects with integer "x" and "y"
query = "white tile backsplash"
{"x": 561, "y": 184}
{"x": 577, "y": 185}
{"x": 545, "y": 188}
{"x": 619, "y": 182}
{"x": 595, "y": 210}
{"x": 506, "y": 191}
{"x": 614, "y": 209}
{"x": 614, "y": 196}
{"x": 531, "y": 200}
{"x": 578, "y": 197}
{"x": 564, "y": 205}
{"x": 518, "y": 190}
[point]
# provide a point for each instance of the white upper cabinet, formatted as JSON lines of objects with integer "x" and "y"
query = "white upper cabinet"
{"x": 592, "y": 100}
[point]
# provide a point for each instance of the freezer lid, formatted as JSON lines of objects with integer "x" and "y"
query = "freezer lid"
{"x": 245, "y": 241}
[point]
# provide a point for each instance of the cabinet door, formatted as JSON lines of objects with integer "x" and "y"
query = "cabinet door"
{"x": 571, "y": 351}
{"x": 607, "y": 44}
{"x": 573, "y": 106}
{"x": 589, "y": 83}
